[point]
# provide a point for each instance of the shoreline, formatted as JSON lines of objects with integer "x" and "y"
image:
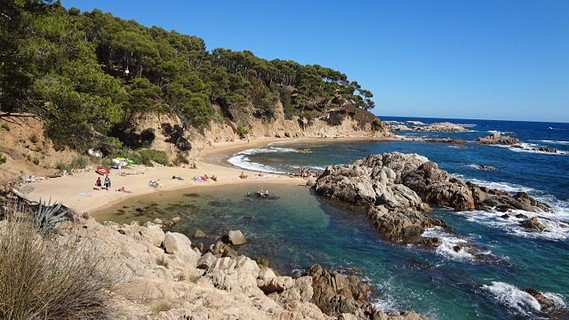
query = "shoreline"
{"x": 77, "y": 191}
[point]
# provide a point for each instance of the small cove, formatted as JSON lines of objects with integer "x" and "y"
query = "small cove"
{"x": 297, "y": 228}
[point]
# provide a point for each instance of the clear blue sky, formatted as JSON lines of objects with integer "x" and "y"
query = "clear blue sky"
{"x": 488, "y": 59}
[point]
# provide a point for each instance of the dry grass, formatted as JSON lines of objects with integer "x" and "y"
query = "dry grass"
{"x": 53, "y": 277}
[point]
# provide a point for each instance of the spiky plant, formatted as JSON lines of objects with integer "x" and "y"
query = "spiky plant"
{"x": 47, "y": 215}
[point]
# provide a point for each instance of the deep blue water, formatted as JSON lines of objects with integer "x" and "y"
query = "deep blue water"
{"x": 299, "y": 228}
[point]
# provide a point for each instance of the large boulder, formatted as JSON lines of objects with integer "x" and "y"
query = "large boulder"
{"x": 234, "y": 237}
{"x": 179, "y": 245}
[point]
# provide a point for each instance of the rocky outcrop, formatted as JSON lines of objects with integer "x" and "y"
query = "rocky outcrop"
{"x": 396, "y": 190}
{"x": 550, "y": 307}
{"x": 346, "y": 297}
{"x": 533, "y": 223}
{"x": 498, "y": 138}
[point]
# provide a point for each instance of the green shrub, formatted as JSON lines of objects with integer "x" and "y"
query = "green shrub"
{"x": 376, "y": 124}
{"x": 51, "y": 278}
{"x": 78, "y": 162}
{"x": 35, "y": 161}
{"x": 34, "y": 138}
{"x": 242, "y": 131}
{"x": 5, "y": 126}
{"x": 148, "y": 155}
{"x": 2, "y": 159}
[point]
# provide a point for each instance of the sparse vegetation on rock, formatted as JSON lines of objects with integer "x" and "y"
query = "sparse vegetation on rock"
{"x": 49, "y": 276}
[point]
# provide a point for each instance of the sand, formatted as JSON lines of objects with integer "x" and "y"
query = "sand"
{"x": 78, "y": 193}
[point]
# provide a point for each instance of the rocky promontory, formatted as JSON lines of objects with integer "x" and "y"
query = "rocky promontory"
{"x": 397, "y": 189}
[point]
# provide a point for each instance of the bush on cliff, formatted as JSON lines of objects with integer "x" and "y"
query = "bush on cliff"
{"x": 51, "y": 277}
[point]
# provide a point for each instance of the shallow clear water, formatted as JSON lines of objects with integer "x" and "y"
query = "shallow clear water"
{"x": 298, "y": 228}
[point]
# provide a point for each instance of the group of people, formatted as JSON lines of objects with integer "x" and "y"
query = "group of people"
{"x": 304, "y": 172}
{"x": 100, "y": 184}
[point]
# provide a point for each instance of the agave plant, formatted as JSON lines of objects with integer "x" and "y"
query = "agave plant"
{"x": 48, "y": 215}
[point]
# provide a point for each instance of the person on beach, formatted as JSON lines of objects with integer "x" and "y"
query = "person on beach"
{"x": 98, "y": 184}
{"x": 123, "y": 189}
{"x": 107, "y": 182}
{"x": 243, "y": 175}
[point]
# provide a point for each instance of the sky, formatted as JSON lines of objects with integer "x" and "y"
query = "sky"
{"x": 475, "y": 59}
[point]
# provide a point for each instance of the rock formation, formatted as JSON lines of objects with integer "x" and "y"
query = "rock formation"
{"x": 420, "y": 126}
{"x": 396, "y": 189}
{"x": 551, "y": 308}
{"x": 163, "y": 277}
{"x": 497, "y": 138}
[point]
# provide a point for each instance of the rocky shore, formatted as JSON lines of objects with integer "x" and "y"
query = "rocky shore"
{"x": 164, "y": 276}
{"x": 397, "y": 191}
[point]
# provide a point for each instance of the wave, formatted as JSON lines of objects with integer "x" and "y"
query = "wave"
{"x": 503, "y": 186}
{"x": 531, "y": 148}
{"x": 242, "y": 160}
{"x": 555, "y": 230}
{"x": 482, "y": 167}
{"x": 448, "y": 244}
{"x": 556, "y": 221}
{"x": 507, "y": 133}
{"x": 518, "y": 301}
{"x": 561, "y": 142}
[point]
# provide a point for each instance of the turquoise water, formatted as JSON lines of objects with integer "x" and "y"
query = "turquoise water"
{"x": 298, "y": 228}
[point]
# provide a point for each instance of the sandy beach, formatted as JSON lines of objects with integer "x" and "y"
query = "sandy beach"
{"x": 78, "y": 191}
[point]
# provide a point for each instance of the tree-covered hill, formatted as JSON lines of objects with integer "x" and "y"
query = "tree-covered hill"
{"x": 88, "y": 74}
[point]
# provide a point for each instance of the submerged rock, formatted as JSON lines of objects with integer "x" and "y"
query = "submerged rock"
{"x": 549, "y": 306}
{"x": 533, "y": 223}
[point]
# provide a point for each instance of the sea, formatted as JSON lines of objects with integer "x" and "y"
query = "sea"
{"x": 294, "y": 228}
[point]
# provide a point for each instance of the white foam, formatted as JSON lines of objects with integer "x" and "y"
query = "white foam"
{"x": 533, "y": 148}
{"x": 555, "y": 230}
{"x": 557, "y": 299}
{"x": 512, "y": 297}
{"x": 481, "y": 167}
{"x": 242, "y": 160}
{"x": 561, "y": 142}
{"x": 504, "y": 186}
{"x": 448, "y": 243}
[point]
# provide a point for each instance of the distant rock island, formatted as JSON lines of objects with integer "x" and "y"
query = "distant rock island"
{"x": 420, "y": 126}
{"x": 498, "y": 138}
